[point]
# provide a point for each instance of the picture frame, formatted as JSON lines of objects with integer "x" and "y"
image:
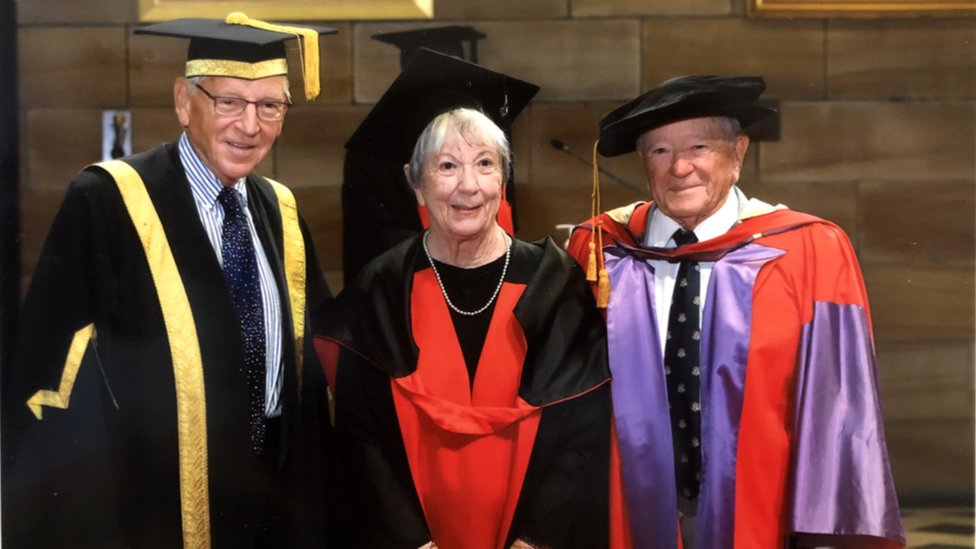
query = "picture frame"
{"x": 288, "y": 10}
{"x": 823, "y": 9}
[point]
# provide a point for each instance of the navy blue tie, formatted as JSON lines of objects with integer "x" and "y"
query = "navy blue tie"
{"x": 241, "y": 272}
{"x": 682, "y": 371}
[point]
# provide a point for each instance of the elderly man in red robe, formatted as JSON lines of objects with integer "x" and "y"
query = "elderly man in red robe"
{"x": 745, "y": 393}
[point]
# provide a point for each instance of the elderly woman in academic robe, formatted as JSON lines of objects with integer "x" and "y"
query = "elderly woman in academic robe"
{"x": 472, "y": 408}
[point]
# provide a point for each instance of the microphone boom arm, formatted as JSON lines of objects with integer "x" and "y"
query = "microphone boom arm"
{"x": 563, "y": 147}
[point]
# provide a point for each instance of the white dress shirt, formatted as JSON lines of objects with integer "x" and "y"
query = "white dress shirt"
{"x": 660, "y": 229}
{"x": 205, "y": 187}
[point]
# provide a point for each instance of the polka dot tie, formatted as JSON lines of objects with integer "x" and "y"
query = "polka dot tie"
{"x": 241, "y": 272}
{"x": 682, "y": 372}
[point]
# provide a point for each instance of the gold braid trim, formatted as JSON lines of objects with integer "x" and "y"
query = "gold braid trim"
{"x": 294, "y": 251}
{"x": 185, "y": 351}
{"x": 61, "y": 397}
{"x": 236, "y": 69}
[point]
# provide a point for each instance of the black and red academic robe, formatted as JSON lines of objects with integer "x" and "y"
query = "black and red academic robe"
{"x": 105, "y": 471}
{"x": 792, "y": 434}
{"x": 425, "y": 454}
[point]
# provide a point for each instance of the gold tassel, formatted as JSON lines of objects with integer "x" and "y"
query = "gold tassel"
{"x": 603, "y": 284}
{"x": 591, "y": 263}
{"x": 603, "y": 280}
{"x": 594, "y": 211}
{"x": 308, "y": 48}
{"x": 603, "y": 290}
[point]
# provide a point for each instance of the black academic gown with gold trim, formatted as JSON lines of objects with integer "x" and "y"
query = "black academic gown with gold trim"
{"x": 104, "y": 471}
{"x": 563, "y": 496}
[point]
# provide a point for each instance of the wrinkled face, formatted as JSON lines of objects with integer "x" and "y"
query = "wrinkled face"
{"x": 461, "y": 188}
{"x": 691, "y": 167}
{"x": 231, "y": 146}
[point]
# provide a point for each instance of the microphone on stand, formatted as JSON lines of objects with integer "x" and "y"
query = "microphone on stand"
{"x": 561, "y": 146}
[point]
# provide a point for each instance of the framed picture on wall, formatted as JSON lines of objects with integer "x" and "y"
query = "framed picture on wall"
{"x": 288, "y": 10}
{"x": 860, "y": 8}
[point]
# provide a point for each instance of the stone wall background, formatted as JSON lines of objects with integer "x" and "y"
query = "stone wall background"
{"x": 878, "y": 134}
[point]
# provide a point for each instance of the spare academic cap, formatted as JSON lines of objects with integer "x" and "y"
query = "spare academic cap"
{"x": 433, "y": 83}
{"x": 682, "y": 98}
{"x": 241, "y": 47}
{"x": 448, "y": 40}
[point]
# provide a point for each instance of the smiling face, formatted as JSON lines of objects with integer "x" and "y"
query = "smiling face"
{"x": 691, "y": 166}
{"x": 461, "y": 188}
{"x": 231, "y": 146}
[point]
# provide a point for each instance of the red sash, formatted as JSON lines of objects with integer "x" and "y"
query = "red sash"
{"x": 468, "y": 449}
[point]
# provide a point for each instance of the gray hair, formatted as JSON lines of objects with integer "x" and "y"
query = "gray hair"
{"x": 197, "y": 80}
{"x": 730, "y": 126}
{"x": 471, "y": 125}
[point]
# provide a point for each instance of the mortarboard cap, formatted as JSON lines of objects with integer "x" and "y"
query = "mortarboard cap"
{"x": 682, "y": 98}
{"x": 433, "y": 83}
{"x": 241, "y": 47}
{"x": 448, "y": 40}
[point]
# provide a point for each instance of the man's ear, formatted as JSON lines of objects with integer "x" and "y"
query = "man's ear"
{"x": 741, "y": 146}
{"x": 181, "y": 101}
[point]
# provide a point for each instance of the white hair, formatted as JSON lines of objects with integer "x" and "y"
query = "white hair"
{"x": 471, "y": 125}
{"x": 730, "y": 126}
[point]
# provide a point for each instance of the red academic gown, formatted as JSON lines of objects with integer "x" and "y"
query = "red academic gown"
{"x": 519, "y": 453}
{"x": 792, "y": 437}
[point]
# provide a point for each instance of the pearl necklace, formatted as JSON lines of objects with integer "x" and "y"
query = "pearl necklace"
{"x": 498, "y": 289}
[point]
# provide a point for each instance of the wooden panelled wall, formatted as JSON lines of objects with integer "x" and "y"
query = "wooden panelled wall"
{"x": 878, "y": 134}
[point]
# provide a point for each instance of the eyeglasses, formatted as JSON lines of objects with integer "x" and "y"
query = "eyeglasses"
{"x": 269, "y": 111}
{"x": 486, "y": 165}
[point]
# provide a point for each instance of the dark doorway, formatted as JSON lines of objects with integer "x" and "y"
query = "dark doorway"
{"x": 9, "y": 192}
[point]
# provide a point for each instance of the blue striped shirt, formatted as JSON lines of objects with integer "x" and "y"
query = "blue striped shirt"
{"x": 206, "y": 186}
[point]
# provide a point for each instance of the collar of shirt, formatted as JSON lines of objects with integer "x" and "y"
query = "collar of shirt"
{"x": 660, "y": 228}
{"x": 203, "y": 183}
